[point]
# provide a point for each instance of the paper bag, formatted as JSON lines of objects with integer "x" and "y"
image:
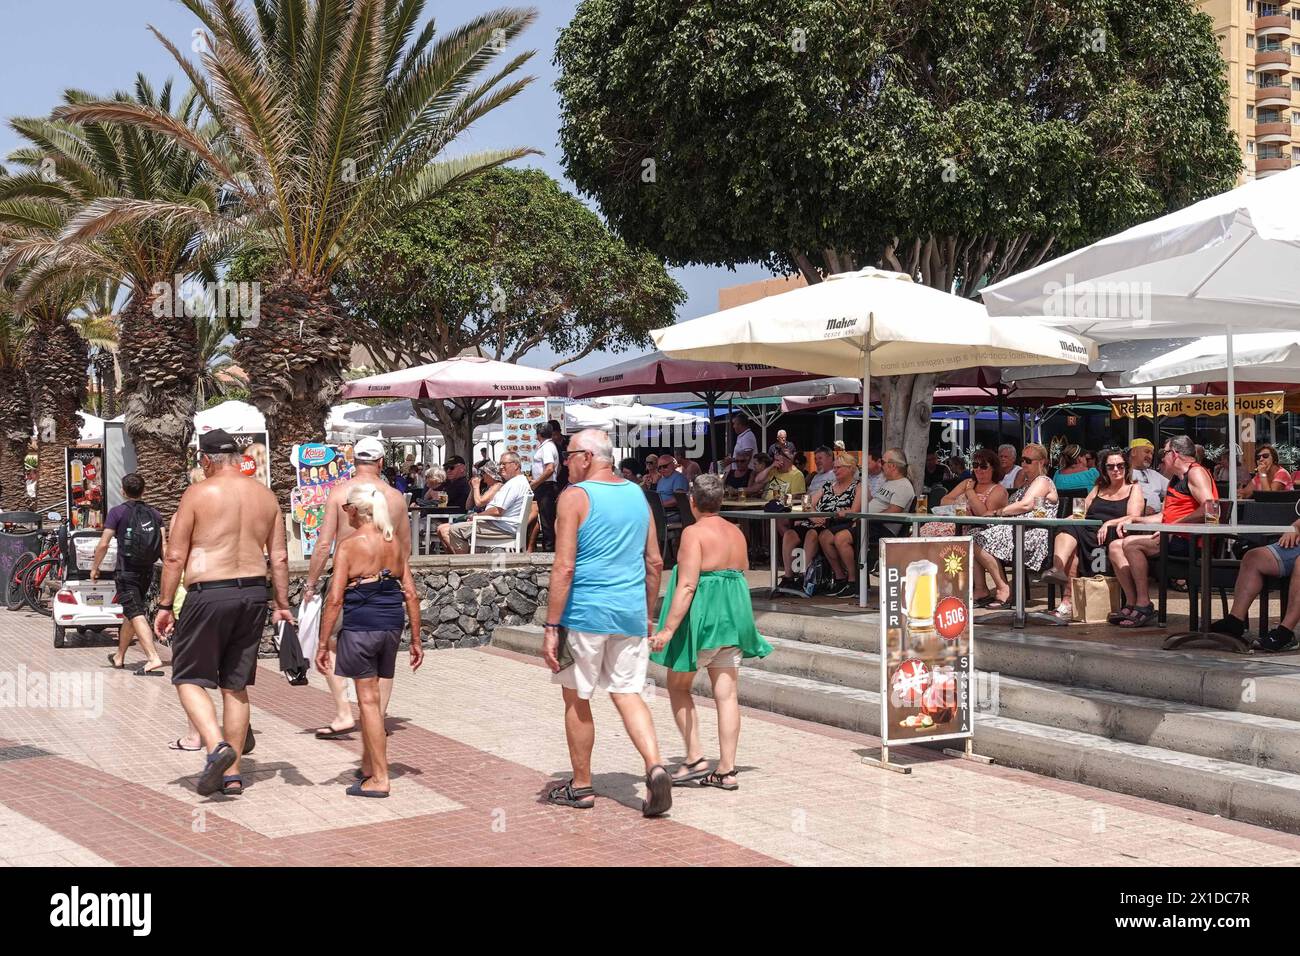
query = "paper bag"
{"x": 1094, "y": 598}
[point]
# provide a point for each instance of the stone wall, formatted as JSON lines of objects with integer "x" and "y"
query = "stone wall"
{"x": 463, "y": 597}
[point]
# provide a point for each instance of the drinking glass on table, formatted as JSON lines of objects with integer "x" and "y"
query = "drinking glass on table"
{"x": 960, "y": 508}
{"x": 1212, "y": 511}
{"x": 1077, "y": 510}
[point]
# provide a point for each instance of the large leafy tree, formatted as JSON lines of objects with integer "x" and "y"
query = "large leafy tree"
{"x": 336, "y": 115}
{"x": 499, "y": 266}
{"x": 959, "y": 141}
{"x": 135, "y": 202}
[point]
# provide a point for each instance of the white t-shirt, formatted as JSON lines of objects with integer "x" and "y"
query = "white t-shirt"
{"x": 897, "y": 492}
{"x": 1009, "y": 479}
{"x": 821, "y": 478}
{"x": 546, "y": 454}
{"x": 745, "y": 440}
{"x": 876, "y": 482}
{"x": 1153, "y": 485}
{"x": 510, "y": 499}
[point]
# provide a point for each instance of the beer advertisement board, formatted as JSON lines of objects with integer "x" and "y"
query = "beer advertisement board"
{"x": 926, "y": 664}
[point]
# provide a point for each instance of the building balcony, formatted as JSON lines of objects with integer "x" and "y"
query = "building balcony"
{"x": 1272, "y": 61}
{"x": 1275, "y": 164}
{"x": 1279, "y": 25}
{"x": 1273, "y": 96}
{"x": 1278, "y": 132}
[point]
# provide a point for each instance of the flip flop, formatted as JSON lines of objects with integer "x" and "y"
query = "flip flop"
{"x": 356, "y": 791}
{"x": 229, "y": 782}
{"x": 145, "y": 671}
{"x": 659, "y": 787}
{"x": 116, "y": 667}
{"x": 691, "y": 775}
{"x": 217, "y": 763}
{"x": 995, "y": 605}
{"x": 177, "y": 745}
{"x": 984, "y": 601}
{"x": 329, "y": 733}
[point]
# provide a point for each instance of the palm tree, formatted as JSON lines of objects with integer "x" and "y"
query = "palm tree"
{"x": 98, "y": 325}
{"x": 15, "y": 409}
{"x": 215, "y": 359}
{"x": 99, "y": 175}
{"x": 54, "y": 360}
{"x": 335, "y": 115}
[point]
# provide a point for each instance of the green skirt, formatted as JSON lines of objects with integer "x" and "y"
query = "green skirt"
{"x": 720, "y": 615}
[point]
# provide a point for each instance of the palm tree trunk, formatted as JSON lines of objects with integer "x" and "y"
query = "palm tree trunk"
{"x": 106, "y": 372}
{"x": 295, "y": 356}
{"x": 159, "y": 370}
{"x": 15, "y": 433}
{"x": 55, "y": 359}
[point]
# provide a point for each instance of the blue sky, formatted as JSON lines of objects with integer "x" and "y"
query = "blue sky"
{"x": 99, "y": 45}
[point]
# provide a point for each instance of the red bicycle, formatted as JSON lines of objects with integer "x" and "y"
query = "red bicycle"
{"x": 15, "y": 588}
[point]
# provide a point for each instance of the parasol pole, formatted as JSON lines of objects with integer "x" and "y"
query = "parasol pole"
{"x": 1232, "y": 428}
{"x": 864, "y": 571}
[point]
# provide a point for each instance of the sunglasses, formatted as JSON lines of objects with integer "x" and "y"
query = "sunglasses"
{"x": 1264, "y": 457}
{"x": 665, "y": 467}
{"x": 577, "y": 451}
{"x": 1029, "y": 461}
{"x": 981, "y": 466}
{"x": 1114, "y": 466}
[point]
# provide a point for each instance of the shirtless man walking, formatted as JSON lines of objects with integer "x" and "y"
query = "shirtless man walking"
{"x": 368, "y": 456}
{"x": 226, "y": 528}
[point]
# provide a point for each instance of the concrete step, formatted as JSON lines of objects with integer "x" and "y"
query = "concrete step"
{"x": 1230, "y": 764}
{"x": 1242, "y": 684}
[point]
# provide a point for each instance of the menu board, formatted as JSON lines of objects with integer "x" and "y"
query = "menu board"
{"x": 320, "y": 468}
{"x": 926, "y": 663}
{"x": 84, "y": 476}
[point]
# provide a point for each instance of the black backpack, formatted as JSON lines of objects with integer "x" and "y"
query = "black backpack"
{"x": 140, "y": 541}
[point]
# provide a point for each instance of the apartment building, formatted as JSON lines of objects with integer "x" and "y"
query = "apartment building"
{"x": 1259, "y": 41}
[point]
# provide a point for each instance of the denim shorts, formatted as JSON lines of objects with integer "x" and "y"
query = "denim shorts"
{"x": 1285, "y": 557}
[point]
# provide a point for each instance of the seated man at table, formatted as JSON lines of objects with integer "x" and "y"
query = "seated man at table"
{"x": 505, "y": 511}
{"x": 1190, "y": 486}
{"x": 740, "y": 472}
{"x": 456, "y": 484}
{"x": 1275, "y": 561}
{"x": 670, "y": 482}
{"x": 895, "y": 495}
{"x": 824, "y": 460}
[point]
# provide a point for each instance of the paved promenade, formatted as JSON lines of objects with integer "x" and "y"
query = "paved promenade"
{"x": 477, "y": 735}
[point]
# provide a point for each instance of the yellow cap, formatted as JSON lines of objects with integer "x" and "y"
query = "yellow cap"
{"x": 1141, "y": 443}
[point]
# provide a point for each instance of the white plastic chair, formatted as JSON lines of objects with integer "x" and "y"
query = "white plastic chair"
{"x": 497, "y": 541}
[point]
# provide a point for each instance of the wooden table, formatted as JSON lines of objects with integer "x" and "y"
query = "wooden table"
{"x": 1207, "y": 533}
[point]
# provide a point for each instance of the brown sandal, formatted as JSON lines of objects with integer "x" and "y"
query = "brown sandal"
{"x": 719, "y": 780}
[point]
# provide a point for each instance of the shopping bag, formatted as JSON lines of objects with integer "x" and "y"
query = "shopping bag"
{"x": 1094, "y": 598}
{"x": 293, "y": 663}
{"x": 309, "y": 626}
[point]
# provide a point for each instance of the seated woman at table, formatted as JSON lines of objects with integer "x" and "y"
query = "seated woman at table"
{"x": 983, "y": 493}
{"x": 1073, "y": 473}
{"x": 832, "y": 535}
{"x": 630, "y": 469}
{"x": 484, "y": 486}
{"x": 435, "y": 478}
{"x": 740, "y": 472}
{"x": 1114, "y": 500}
{"x": 757, "y": 487}
{"x": 1269, "y": 474}
{"x": 650, "y": 477}
{"x": 995, "y": 545}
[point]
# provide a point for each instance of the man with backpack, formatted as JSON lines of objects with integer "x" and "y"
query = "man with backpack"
{"x": 140, "y": 536}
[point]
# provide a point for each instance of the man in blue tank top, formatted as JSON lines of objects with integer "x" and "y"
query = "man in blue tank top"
{"x": 604, "y": 582}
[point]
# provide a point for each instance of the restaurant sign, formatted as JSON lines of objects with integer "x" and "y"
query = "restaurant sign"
{"x": 1260, "y": 403}
{"x": 926, "y": 664}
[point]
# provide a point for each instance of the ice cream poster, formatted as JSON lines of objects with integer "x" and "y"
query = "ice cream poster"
{"x": 320, "y": 467}
{"x": 927, "y": 667}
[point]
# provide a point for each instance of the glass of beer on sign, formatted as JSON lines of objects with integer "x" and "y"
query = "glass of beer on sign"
{"x": 920, "y": 592}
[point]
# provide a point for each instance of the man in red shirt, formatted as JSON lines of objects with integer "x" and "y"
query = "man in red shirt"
{"x": 1190, "y": 486}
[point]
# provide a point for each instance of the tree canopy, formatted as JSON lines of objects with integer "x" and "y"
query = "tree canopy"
{"x": 956, "y": 139}
{"x": 503, "y": 264}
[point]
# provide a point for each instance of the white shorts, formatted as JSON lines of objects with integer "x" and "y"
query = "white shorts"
{"x": 719, "y": 657}
{"x": 608, "y": 662}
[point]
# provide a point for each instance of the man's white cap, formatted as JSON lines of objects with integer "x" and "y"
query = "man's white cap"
{"x": 368, "y": 449}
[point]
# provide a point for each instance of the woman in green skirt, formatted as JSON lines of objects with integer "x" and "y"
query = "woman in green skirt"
{"x": 708, "y": 622}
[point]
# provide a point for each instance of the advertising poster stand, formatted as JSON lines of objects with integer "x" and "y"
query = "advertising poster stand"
{"x": 927, "y": 659}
